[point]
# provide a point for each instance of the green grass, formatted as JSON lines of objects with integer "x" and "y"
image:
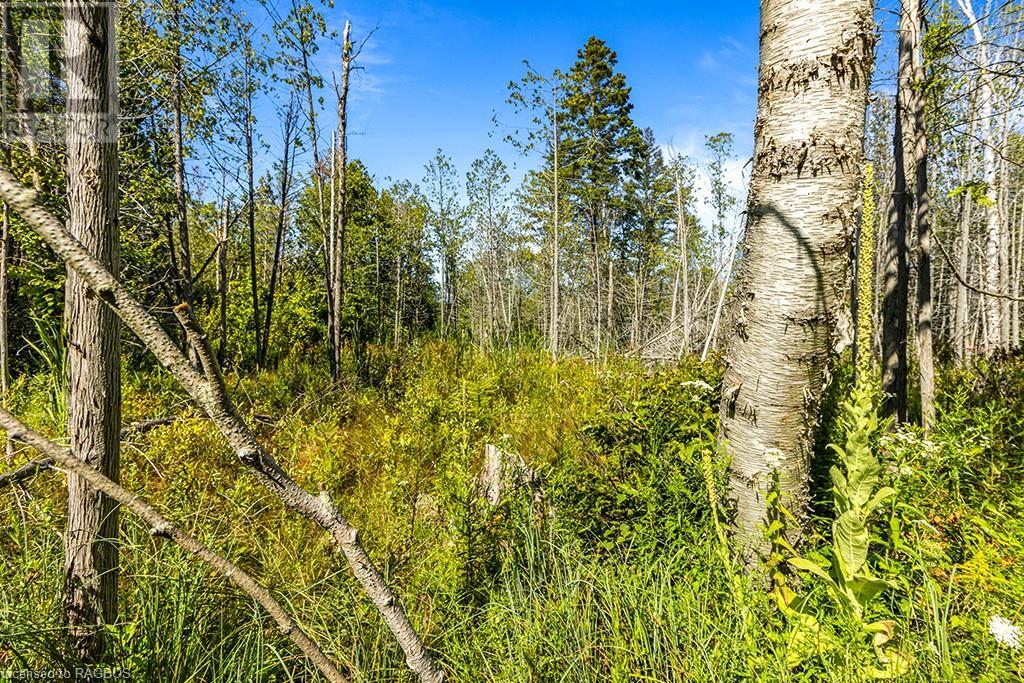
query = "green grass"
{"x": 621, "y": 581}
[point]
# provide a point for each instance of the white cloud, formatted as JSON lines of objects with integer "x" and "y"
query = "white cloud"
{"x": 691, "y": 145}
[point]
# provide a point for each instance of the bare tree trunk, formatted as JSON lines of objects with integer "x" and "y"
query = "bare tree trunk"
{"x": 597, "y": 286}
{"x": 914, "y": 14}
{"x": 990, "y": 270}
{"x": 329, "y": 243}
{"x": 682, "y": 267}
{"x": 338, "y": 276}
{"x": 800, "y": 220}
{"x": 5, "y": 248}
{"x": 222, "y": 277}
{"x": 5, "y": 351}
{"x": 609, "y": 317}
{"x": 961, "y": 334}
{"x": 93, "y": 330}
{"x": 1004, "y": 241}
{"x": 180, "y": 193}
{"x": 556, "y": 275}
{"x": 250, "y": 168}
{"x": 1018, "y": 275}
{"x": 398, "y": 300}
{"x": 895, "y": 293}
{"x": 282, "y": 217}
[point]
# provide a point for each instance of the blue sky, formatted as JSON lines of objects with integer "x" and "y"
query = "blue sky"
{"x": 434, "y": 73}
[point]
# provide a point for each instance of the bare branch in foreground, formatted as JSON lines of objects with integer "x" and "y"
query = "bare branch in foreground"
{"x": 161, "y": 526}
{"x": 213, "y": 399}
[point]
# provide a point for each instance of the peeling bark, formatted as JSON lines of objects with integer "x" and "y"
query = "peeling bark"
{"x": 800, "y": 220}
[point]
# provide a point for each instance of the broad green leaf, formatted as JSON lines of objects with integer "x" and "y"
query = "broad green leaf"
{"x": 881, "y": 495}
{"x": 850, "y": 540}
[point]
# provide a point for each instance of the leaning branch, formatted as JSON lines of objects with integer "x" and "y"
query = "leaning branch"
{"x": 209, "y": 393}
{"x": 161, "y": 526}
{"x": 962, "y": 280}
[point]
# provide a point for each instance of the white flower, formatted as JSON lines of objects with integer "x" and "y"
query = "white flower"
{"x": 1005, "y": 632}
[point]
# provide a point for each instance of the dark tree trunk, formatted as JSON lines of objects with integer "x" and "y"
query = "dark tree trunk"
{"x": 895, "y": 293}
{"x": 282, "y": 215}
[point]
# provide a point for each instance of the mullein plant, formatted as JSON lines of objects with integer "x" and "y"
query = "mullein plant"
{"x": 848, "y": 582}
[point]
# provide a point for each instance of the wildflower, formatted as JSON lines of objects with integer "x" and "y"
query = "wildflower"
{"x": 1005, "y": 632}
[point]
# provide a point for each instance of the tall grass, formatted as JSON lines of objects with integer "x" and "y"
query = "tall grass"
{"x": 620, "y": 578}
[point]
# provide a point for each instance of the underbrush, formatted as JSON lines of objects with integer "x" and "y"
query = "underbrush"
{"x": 613, "y": 574}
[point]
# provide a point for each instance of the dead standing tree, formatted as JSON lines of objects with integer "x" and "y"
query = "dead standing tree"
{"x": 336, "y": 278}
{"x": 209, "y": 392}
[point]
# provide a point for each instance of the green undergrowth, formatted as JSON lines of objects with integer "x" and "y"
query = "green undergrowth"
{"x": 615, "y": 574}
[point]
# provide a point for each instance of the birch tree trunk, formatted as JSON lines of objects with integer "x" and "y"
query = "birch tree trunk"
{"x": 222, "y": 277}
{"x": 990, "y": 270}
{"x": 1018, "y": 275}
{"x": 816, "y": 61}
{"x": 961, "y": 335}
{"x": 93, "y": 330}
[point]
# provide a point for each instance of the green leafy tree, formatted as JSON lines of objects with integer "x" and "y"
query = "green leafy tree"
{"x": 603, "y": 141}
{"x": 719, "y": 148}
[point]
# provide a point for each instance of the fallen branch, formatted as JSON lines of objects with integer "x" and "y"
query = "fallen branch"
{"x": 26, "y": 471}
{"x": 29, "y": 470}
{"x": 210, "y": 394}
{"x": 145, "y": 426}
{"x": 161, "y": 526}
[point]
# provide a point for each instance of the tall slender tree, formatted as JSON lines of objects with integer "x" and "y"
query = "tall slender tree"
{"x": 599, "y": 130}
{"x": 543, "y": 96}
{"x": 338, "y": 226}
{"x": 284, "y": 189}
{"x": 987, "y": 129}
{"x": 93, "y": 330}
{"x": 925, "y": 359}
{"x": 897, "y": 274}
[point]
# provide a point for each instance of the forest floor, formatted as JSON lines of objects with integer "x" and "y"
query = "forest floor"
{"x": 617, "y": 575}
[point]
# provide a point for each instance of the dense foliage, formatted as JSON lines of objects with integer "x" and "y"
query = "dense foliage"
{"x": 615, "y": 575}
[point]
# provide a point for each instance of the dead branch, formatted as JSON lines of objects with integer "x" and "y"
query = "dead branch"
{"x": 25, "y": 472}
{"x": 161, "y": 526}
{"x": 210, "y": 394}
{"x": 962, "y": 280}
{"x": 143, "y": 426}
